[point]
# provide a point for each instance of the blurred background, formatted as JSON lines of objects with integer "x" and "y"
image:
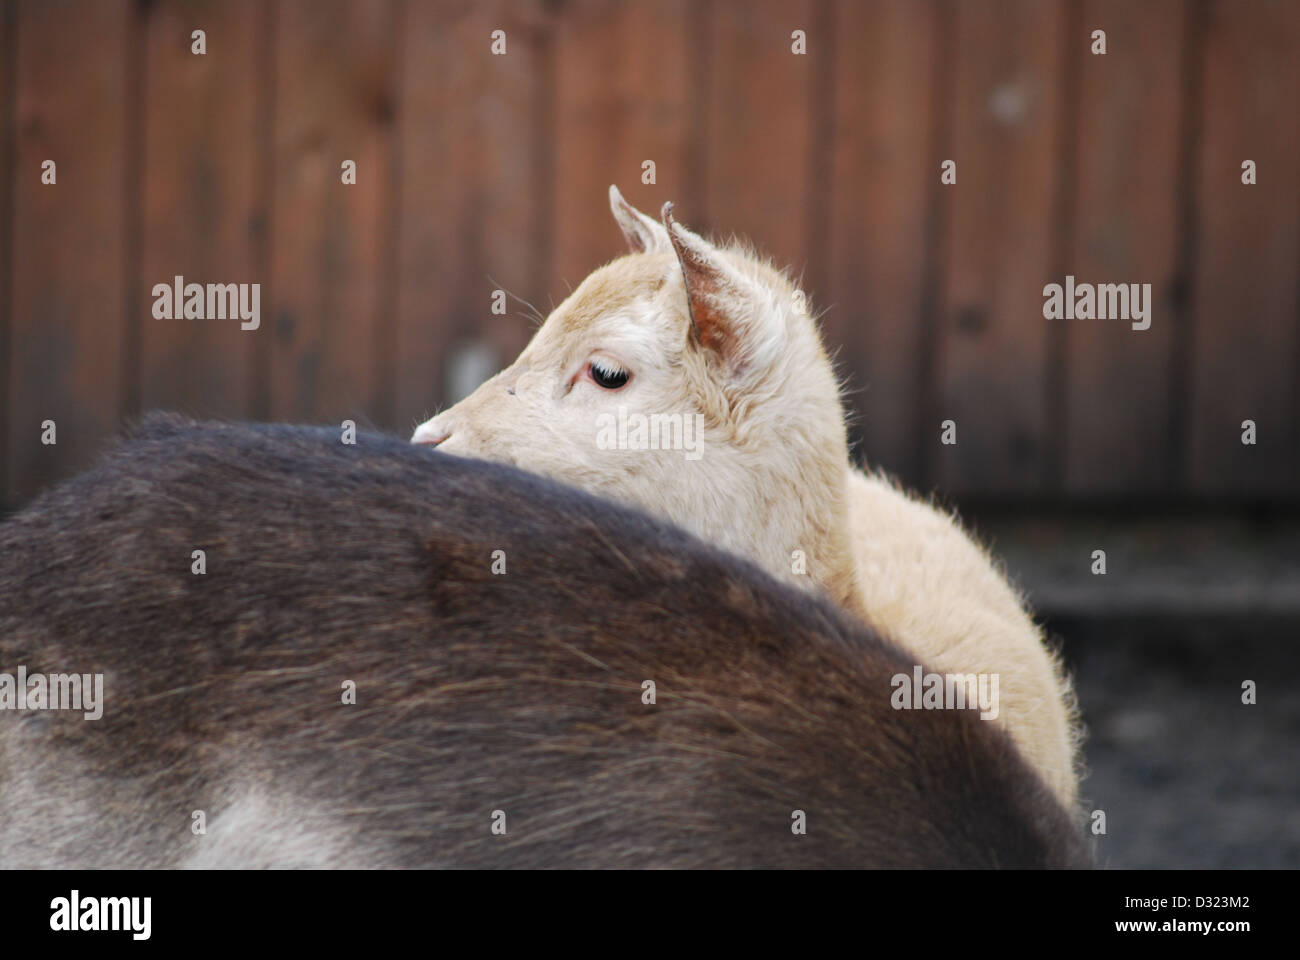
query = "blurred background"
{"x": 476, "y": 172}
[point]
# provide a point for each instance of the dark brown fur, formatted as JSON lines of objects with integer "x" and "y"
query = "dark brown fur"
{"x": 476, "y": 692}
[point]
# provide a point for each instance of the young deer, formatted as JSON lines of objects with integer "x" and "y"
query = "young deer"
{"x": 396, "y": 658}
{"x": 683, "y": 331}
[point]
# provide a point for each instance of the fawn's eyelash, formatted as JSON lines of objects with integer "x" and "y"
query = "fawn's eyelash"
{"x": 606, "y": 373}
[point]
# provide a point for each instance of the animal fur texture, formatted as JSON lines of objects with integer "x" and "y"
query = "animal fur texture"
{"x": 476, "y": 691}
{"x": 717, "y": 332}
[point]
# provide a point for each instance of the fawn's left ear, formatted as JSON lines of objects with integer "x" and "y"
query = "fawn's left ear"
{"x": 732, "y": 316}
{"x": 642, "y": 234}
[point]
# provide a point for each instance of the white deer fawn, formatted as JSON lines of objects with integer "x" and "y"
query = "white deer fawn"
{"x": 682, "y": 332}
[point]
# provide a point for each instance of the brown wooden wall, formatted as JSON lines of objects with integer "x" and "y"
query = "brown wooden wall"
{"x": 477, "y": 171}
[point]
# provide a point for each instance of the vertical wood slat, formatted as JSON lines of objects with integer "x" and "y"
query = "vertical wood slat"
{"x": 69, "y": 261}
{"x": 1125, "y": 231}
{"x": 8, "y": 58}
{"x": 475, "y": 137}
{"x": 883, "y": 176}
{"x": 334, "y": 102}
{"x": 1244, "y": 360}
{"x": 992, "y": 338}
{"x": 621, "y": 99}
{"x": 760, "y": 127}
{"x": 201, "y": 212}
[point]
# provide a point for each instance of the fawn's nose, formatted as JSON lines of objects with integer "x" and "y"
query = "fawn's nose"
{"x": 430, "y": 432}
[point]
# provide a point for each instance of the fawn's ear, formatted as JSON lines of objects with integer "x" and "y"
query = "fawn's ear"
{"x": 732, "y": 317}
{"x": 643, "y": 235}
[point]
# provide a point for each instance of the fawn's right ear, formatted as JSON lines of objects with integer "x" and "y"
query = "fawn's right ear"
{"x": 732, "y": 318}
{"x": 643, "y": 234}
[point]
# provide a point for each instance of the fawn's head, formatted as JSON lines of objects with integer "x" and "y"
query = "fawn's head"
{"x": 689, "y": 379}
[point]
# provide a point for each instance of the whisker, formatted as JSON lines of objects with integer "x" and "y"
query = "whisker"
{"x": 535, "y": 315}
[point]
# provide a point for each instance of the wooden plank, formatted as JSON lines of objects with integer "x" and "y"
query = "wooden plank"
{"x": 992, "y": 346}
{"x": 760, "y": 127}
{"x": 475, "y": 171}
{"x": 1244, "y": 341}
{"x": 883, "y": 177}
{"x": 8, "y": 60}
{"x": 69, "y": 258}
{"x": 201, "y": 201}
{"x": 334, "y": 101}
{"x": 1117, "y": 439}
{"x": 622, "y": 98}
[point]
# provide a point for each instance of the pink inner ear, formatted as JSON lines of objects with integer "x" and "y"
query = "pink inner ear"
{"x": 633, "y": 237}
{"x": 708, "y": 314}
{"x": 706, "y": 296}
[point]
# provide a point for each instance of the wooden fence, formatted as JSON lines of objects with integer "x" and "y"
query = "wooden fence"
{"x": 477, "y": 171}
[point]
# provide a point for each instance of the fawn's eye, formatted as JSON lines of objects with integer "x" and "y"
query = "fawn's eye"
{"x": 607, "y": 374}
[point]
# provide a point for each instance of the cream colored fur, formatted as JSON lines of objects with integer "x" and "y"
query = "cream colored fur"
{"x": 717, "y": 332}
{"x": 927, "y": 584}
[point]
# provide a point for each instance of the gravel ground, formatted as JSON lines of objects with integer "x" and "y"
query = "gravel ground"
{"x": 1187, "y": 775}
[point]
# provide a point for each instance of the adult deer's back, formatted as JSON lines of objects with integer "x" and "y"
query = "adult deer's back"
{"x": 484, "y": 695}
